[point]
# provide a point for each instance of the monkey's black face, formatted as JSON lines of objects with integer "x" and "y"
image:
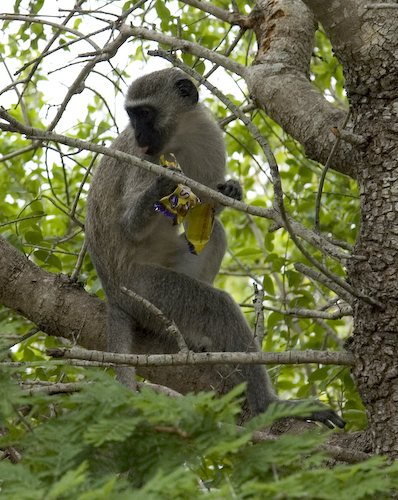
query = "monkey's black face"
{"x": 143, "y": 120}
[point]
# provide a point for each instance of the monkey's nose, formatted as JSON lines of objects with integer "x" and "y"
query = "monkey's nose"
{"x": 144, "y": 149}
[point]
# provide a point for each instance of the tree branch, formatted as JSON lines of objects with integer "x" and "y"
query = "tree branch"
{"x": 232, "y": 18}
{"x": 59, "y": 387}
{"x": 318, "y": 276}
{"x": 336, "y": 452}
{"x": 185, "y": 46}
{"x": 170, "y": 326}
{"x": 308, "y": 313}
{"x": 61, "y": 307}
{"x": 207, "y": 358}
{"x": 280, "y": 85}
{"x": 259, "y": 314}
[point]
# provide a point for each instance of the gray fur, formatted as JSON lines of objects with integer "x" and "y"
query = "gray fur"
{"x": 133, "y": 246}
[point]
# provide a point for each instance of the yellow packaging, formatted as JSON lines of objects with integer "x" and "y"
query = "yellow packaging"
{"x": 200, "y": 225}
{"x": 182, "y": 204}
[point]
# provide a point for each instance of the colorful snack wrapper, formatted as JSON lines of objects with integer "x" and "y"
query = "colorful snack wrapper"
{"x": 183, "y": 204}
{"x": 177, "y": 204}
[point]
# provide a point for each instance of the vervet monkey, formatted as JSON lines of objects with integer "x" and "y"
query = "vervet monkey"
{"x": 134, "y": 246}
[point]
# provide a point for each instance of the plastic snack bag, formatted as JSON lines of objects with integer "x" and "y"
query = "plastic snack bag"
{"x": 183, "y": 204}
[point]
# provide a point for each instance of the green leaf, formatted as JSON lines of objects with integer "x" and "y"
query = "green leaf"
{"x": 34, "y": 237}
{"x": 71, "y": 479}
{"x": 268, "y": 285}
{"x": 48, "y": 258}
{"x": 274, "y": 318}
{"x": 319, "y": 374}
{"x": 117, "y": 429}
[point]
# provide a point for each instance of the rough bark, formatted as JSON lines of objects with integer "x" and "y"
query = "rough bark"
{"x": 365, "y": 41}
{"x": 279, "y": 81}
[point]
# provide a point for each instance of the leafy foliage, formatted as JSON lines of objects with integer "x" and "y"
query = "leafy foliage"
{"x": 105, "y": 442}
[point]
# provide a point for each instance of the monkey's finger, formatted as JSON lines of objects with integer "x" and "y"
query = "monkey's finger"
{"x": 165, "y": 186}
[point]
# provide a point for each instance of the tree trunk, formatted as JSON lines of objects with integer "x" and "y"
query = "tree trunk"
{"x": 366, "y": 43}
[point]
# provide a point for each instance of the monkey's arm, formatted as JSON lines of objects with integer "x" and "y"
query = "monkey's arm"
{"x": 139, "y": 210}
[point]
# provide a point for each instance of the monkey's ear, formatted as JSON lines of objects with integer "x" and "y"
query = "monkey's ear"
{"x": 187, "y": 90}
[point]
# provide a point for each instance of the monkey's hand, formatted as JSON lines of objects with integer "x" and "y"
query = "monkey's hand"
{"x": 326, "y": 415}
{"x": 231, "y": 188}
{"x": 165, "y": 186}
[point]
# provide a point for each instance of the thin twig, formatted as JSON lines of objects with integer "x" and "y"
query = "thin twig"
{"x": 50, "y": 42}
{"x": 381, "y": 6}
{"x": 186, "y": 46}
{"x": 51, "y": 249}
{"x": 160, "y": 389}
{"x": 228, "y": 51}
{"x": 15, "y": 221}
{"x": 79, "y": 191}
{"x": 259, "y": 314}
{"x": 23, "y": 107}
{"x": 79, "y": 262}
{"x": 329, "y": 283}
{"x": 18, "y": 152}
{"x": 323, "y": 176}
{"x": 20, "y": 339}
{"x": 60, "y": 47}
{"x": 337, "y": 452}
{"x": 56, "y": 388}
{"x": 225, "y": 15}
{"x": 307, "y": 313}
{"x": 329, "y": 332}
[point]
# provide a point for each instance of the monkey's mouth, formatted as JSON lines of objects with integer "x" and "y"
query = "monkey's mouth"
{"x": 149, "y": 144}
{"x": 151, "y": 149}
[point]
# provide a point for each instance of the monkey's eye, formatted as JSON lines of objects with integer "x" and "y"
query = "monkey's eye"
{"x": 141, "y": 114}
{"x": 144, "y": 113}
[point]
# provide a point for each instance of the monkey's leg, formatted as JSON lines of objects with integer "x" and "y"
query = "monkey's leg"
{"x": 120, "y": 340}
{"x": 203, "y": 312}
{"x": 204, "y": 315}
{"x": 206, "y": 265}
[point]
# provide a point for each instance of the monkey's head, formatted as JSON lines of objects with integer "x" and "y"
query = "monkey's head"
{"x": 155, "y": 103}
